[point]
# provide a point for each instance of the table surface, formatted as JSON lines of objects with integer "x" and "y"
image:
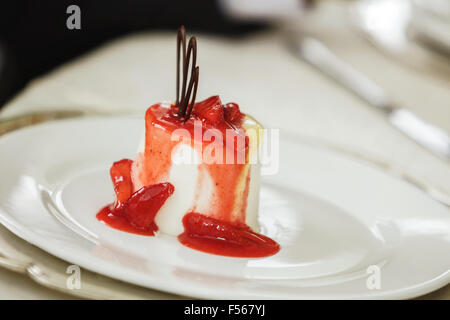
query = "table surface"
{"x": 249, "y": 71}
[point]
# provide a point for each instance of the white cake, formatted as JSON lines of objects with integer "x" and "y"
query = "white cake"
{"x": 199, "y": 186}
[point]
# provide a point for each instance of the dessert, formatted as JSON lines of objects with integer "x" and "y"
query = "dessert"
{"x": 195, "y": 175}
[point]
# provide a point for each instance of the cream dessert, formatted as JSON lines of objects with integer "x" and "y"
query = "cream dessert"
{"x": 196, "y": 174}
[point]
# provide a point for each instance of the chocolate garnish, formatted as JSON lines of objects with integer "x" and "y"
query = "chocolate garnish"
{"x": 193, "y": 82}
{"x": 188, "y": 88}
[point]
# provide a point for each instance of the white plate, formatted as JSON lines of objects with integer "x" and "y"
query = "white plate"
{"x": 333, "y": 215}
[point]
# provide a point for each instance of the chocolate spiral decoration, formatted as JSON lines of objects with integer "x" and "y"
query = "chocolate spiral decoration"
{"x": 186, "y": 98}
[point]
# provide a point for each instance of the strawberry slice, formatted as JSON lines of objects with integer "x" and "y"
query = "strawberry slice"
{"x": 232, "y": 113}
{"x": 198, "y": 225}
{"x": 224, "y": 238}
{"x": 120, "y": 173}
{"x": 201, "y": 226}
{"x": 210, "y": 110}
{"x": 143, "y": 205}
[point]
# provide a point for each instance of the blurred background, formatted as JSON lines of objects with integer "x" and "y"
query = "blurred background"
{"x": 34, "y": 39}
{"x": 330, "y": 69}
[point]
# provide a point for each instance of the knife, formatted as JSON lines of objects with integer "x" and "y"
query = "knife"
{"x": 318, "y": 55}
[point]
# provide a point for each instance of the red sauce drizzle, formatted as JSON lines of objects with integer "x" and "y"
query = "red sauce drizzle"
{"x": 118, "y": 221}
{"x": 133, "y": 212}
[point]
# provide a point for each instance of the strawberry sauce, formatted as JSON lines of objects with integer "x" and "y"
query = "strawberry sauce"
{"x": 141, "y": 186}
{"x": 224, "y": 238}
{"x": 118, "y": 221}
{"x": 133, "y": 212}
